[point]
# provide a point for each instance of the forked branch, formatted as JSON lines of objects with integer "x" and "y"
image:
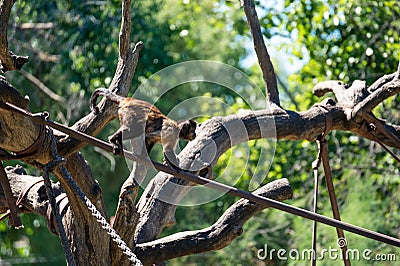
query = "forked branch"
{"x": 127, "y": 61}
{"x": 219, "y": 235}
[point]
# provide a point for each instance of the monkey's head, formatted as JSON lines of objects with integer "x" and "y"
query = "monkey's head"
{"x": 187, "y": 129}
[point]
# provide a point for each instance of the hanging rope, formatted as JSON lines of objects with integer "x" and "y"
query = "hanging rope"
{"x": 57, "y": 161}
{"x": 99, "y": 217}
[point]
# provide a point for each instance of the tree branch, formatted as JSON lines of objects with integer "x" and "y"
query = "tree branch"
{"x": 262, "y": 53}
{"x": 93, "y": 124}
{"x": 14, "y": 135}
{"x": 35, "y": 200}
{"x": 125, "y": 30}
{"x": 358, "y": 97}
{"x": 286, "y": 89}
{"x": 127, "y": 216}
{"x": 96, "y": 248}
{"x": 9, "y": 60}
{"x": 217, "y": 236}
{"x": 20, "y": 133}
{"x": 43, "y": 87}
{"x": 380, "y": 82}
{"x": 371, "y": 101}
{"x": 36, "y": 26}
{"x": 358, "y": 101}
{"x": 217, "y": 131}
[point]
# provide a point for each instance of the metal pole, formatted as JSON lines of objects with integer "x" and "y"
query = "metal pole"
{"x": 332, "y": 199}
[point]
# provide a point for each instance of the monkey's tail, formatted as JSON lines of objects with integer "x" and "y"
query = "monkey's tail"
{"x": 106, "y": 93}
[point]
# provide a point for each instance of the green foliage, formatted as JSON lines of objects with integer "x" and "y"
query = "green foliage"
{"x": 343, "y": 40}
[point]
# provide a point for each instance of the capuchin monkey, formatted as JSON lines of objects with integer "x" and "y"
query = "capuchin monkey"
{"x": 137, "y": 115}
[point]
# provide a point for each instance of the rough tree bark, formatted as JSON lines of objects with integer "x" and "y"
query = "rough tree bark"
{"x": 140, "y": 223}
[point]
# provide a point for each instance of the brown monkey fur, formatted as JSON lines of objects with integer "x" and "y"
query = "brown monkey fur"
{"x": 137, "y": 116}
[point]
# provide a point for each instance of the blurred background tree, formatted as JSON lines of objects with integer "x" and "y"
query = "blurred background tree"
{"x": 74, "y": 51}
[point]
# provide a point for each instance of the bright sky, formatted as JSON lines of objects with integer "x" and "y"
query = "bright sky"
{"x": 285, "y": 64}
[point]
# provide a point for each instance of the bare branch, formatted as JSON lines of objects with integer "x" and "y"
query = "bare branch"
{"x": 307, "y": 125}
{"x": 19, "y": 135}
{"x": 262, "y": 53}
{"x": 37, "y": 26}
{"x": 12, "y": 95}
{"x": 324, "y": 87}
{"x": 43, "y": 56}
{"x": 43, "y": 87}
{"x": 97, "y": 241}
{"x": 398, "y": 71}
{"x": 35, "y": 199}
{"x": 93, "y": 124}
{"x": 358, "y": 98}
{"x": 381, "y": 81}
{"x": 127, "y": 62}
{"x": 11, "y": 202}
{"x": 127, "y": 216}
{"x": 17, "y": 132}
{"x": 124, "y": 34}
{"x": 286, "y": 89}
{"x": 219, "y": 235}
{"x": 371, "y": 101}
{"x": 8, "y": 60}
